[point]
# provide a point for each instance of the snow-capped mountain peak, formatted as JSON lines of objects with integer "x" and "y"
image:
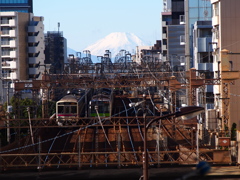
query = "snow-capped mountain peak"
{"x": 115, "y": 42}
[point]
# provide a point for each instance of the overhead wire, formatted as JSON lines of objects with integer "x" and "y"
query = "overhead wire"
{"x": 59, "y": 136}
{"x": 100, "y": 122}
{"x": 129, "y": 133}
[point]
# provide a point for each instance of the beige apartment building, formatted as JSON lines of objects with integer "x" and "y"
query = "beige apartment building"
{"x": 22, "y": 49}
{"x": 226, "y": 28}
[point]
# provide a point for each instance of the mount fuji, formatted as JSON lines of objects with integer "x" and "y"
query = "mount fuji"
{"x": 115, "y": 42}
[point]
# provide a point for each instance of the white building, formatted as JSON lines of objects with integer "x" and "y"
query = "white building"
{"x": 148, "y": 54}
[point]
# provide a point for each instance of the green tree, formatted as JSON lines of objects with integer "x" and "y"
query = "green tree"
{"x": 234, "y": 132}
{"x": 19, "y": 107}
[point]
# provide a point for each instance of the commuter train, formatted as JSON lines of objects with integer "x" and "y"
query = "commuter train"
{"x": 71, "y": 107}
{"x": 101, "y": 104}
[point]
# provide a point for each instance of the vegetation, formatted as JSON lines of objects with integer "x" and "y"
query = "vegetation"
{"x": 20, "y": 111}
{"x": 234, "y": 132}
{"x": 19, "y": 108}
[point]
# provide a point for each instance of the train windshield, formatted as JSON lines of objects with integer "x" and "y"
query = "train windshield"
{"x": 67, "y": 108}
{"x": 103, "y": 108}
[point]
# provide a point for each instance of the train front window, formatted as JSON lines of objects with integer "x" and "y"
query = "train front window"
{"x": 103, "y": 107}
{"x": 60, "y": 109}
{"x": 73, "y": 109}
{"x": 106, "y": 108}
{"x": 67, "y": 109}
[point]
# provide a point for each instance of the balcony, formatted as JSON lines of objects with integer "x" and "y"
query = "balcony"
{"x": 8, "y": 14}
{"x": 8, "y": 33}
{"x": 205, "y": 66}
{"x": 9, "y": 76}
{"x": 9, "y": 65}
{"x": 9, "y": 54}
{"x": 33, "y": 60}
{"x": 33, "y": 71}
{"x": 11, "y": 43}
{"x": 35, "y": 49}
{"x": 10, "y": 23}
{"x": 12, "y": 33}
{"x": 32, "y": 39}
{"x": 4, "y": 22}
{"x": 33, "y": 29}
{"x": 203, "y": 44}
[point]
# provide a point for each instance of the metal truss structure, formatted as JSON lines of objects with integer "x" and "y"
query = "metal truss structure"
{"x": 117, "y": 143}
{"x": 117, "y": 140}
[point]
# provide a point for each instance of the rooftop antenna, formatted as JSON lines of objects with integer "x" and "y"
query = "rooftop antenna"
{"x": 58, "y": 27}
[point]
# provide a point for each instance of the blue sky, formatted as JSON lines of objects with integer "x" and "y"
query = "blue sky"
{"x": 83, "y": 22}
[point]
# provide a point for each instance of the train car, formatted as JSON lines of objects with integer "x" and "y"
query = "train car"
{"x": 103, "y": 102}
{"x": 71, "y": 107}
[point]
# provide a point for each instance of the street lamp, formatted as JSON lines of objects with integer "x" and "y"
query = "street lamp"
{"x": 184, "y": 112}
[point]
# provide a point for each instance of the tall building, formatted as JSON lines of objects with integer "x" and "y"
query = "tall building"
{"x": 25, "y": 6}
{"x": 197, "y": 10}
{"x": 226, "y": 28}
{"x": 22, "y": 47}
{"x": 173, "y": 42}
{"x": 55, "y": 51}
{"x": 173, "y": 32}
{"x": 202, "y": 57}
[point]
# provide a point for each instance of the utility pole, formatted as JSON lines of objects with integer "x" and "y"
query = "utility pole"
{"x": 8, "y": 111}
{"x": 30, "y": 124}
{"x": 145, "y": 155}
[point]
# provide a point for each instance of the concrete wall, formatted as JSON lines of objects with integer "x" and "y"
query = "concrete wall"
{"x": 226, "y": 22}
{"x": 230, "y": 40}
{"x": 23, "y": 19}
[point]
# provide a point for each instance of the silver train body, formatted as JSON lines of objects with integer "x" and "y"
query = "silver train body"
{"x": 71, "y": 107}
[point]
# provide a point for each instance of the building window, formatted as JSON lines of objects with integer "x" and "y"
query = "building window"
{"x": 209, "y": 75}
{"x": 204, "y": 32}
{"x": 164, "y": 30}
{"x": 5, "y": 31}
{"x": 182, "y": 60}
{"x": 13, "y": 1}
{"x": 182, "y": 19}
{"x": 204, "y": 58}
{"x": 209, "y": 98}
{"x": 164, "y": 42}
{"x": 217, "y": 32}
{"x": 182, "y": 40}
{"x": 5, "y": 41}
{"x": 6, "y": 73}
{"x": 5, "y": 52}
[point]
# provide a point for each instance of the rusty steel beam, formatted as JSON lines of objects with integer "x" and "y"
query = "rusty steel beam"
{"x": 76, "y": 122}
{"x": 70, "y": 159}
{"x": 144, "y": 79}
{"x": 85, "y": 131}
